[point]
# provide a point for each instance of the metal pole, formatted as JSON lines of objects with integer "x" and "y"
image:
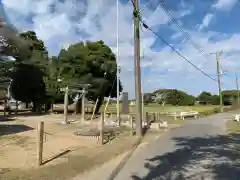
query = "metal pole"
{"x": 137, "y": 69}
{"x": 238, "y": 94}
{"x": 118, "y": 113}
{"x": 219, "y": 82}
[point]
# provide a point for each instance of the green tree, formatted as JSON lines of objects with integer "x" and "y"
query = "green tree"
{"x": 215, "y": 100}
{"x": 147, "y": 98}
{"x": 229, "y": 97}
{"x": 205, "y": 98}
{"x": 28, "y": 85}
{"x": 11, "y": 44}
{"x": 29, "y": 71}
{"x": 176, "y": 97}
{"x": 91, "y": 63}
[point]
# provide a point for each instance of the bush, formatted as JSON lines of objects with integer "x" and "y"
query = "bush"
{"x": 210, "y": 112}
{"x": 180, "y": 98}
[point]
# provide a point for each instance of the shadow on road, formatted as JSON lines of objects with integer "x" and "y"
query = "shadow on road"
{"x": 215, "y": 157}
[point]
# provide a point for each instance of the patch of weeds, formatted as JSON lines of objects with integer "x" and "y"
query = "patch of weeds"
{"x": 233, "y": 126}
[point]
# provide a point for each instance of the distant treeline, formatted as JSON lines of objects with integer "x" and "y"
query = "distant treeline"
{"x": 181, "y": 98}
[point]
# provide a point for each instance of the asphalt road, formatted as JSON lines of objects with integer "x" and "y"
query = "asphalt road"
{"x": 199, "y": 150}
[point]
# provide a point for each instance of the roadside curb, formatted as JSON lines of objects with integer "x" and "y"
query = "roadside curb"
{"x": 138, "y": 142}
{"x": 125, "y": 159}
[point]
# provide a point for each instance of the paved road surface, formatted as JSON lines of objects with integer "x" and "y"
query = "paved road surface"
{"x": 200, "y": 150}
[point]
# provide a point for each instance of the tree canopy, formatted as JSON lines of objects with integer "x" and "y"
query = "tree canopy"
{"x": 175, "y": 97}
{"x": 35, "y": 74}
{"x": 91, "y": 63}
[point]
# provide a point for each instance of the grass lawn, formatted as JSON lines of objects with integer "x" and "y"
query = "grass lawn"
{"x": 233, "y": 127}
{"x": 170, "y": 119}
{"x": 177, "y": 121}
{"x": 167, "y": 108}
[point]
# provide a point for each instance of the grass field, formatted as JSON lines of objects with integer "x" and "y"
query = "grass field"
{"x": 158, "y": 108}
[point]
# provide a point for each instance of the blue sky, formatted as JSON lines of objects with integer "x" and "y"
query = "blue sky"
{"x": 213, "y": 25}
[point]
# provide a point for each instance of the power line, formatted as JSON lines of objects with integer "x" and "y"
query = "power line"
{"x": 136, "y": 13}
{"x": 186, "y": 34}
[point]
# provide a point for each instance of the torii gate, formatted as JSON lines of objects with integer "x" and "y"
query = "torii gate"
{"x": 66, "y": 90}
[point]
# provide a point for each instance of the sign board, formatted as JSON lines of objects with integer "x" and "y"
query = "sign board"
{"x": 125, "y": 103}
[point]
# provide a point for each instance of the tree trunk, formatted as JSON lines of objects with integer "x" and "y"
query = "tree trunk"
{"x": 39, "y": 108}
{"x": 78, "y": 107}
{"x": 16, "y": 110}
{"x": 99, "y": 103}
{"x": 48, "y": 106}
{"x": 26, "y": 105}
{"x": 52, "y": 106}
{"x": 5, "y": 106}
{"x": 34, "y": 107}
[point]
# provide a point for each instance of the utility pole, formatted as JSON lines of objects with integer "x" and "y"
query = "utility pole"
{"x": 137, "y": 68}
{"x": 219, "y": 81}
{"x": 118, "y": 112}
{"x": 238, "y": 94}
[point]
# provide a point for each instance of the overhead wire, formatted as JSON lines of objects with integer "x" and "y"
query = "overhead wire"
{"x": 136, "y": 13}
{"x": 188, "y": 36}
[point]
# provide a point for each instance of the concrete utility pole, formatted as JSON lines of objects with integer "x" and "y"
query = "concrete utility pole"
{"x": 219, "y": 81}
{"x": 238, "y": 94}
{"x": 137, "y": 69}
{"x": 118, "y": 69}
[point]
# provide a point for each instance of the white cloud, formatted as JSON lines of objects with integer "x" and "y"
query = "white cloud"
{"x": 97, "y": 21}
{"x": 206, "y": 21}
{"x": 47, "y": 26}
{"x": 225, "y": 5}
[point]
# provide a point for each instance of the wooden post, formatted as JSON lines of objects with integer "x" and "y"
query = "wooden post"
{"x": 40, "y": 134}
{"x": 131, "y": 121}
{"x": 83, "y": 106}
{"x": 119, "y": 120}
{"x": 156, "y": 114}
{"x": 66, "y": 106}
{"x": 146, "y": 117}
{"x": 95, "y": 106}
{"x": 5, "y": 106}
{"x": 151, "y": 117}
{"x": 16, "y": 110}
{"x": 101, "y": 128}
{"x": 175, "y": 116}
